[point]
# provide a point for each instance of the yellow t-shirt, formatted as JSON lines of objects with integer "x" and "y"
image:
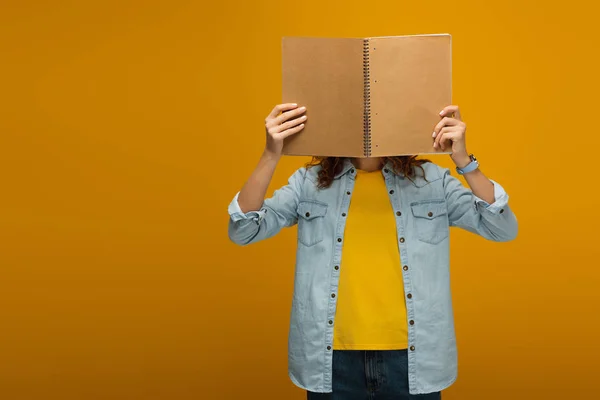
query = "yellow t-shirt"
{"x": 371, "y": 309}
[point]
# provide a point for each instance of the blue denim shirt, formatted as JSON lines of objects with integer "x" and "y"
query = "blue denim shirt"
{"x": 424, "y": 209}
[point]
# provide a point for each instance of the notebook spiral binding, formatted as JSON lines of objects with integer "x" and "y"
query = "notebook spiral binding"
{"x": 366, "y": 100}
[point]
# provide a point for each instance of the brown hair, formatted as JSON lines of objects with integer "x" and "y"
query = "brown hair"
{"x": 331, "y": 166}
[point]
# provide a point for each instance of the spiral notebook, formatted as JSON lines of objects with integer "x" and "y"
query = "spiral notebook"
{"x": 368, "y": 97}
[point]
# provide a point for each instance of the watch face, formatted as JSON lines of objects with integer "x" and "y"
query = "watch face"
{"x": 472, "y": 157}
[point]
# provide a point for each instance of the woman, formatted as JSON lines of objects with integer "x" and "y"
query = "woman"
{"x": 371, "y": 311}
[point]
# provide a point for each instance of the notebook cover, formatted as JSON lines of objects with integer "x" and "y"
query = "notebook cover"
{"x": 326, "y": 76}
{"x": 406, "y": 83}
{"x": 410, "y": 83}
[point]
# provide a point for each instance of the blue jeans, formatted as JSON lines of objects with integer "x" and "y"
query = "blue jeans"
{"x": 370, "y": 375}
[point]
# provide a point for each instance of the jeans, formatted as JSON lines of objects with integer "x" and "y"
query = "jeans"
{"x": 370, "y": 375}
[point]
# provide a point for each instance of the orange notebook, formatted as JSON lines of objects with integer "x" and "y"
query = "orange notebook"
{"x": 369, "y": 97}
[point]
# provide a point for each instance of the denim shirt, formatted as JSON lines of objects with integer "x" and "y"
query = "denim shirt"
{"x": 424, "y": 208}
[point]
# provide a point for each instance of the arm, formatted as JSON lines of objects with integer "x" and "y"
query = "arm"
{"x": 270, "y": 217}
{"x": 493, "y": 220}
{"x": 252, "y": 218}
{"x": 481, "y": 186}
{"x": 254, "y": 190}
{"x": 483, "y": 209}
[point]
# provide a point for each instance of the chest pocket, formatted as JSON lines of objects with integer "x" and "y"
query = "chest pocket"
{"x": 311, "y": 221}
{"x": 430, "y": 221}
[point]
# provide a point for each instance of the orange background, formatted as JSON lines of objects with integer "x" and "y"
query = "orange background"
{"x": 127, "y": 126}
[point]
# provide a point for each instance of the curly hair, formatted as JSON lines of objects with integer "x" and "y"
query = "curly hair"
{"x": 330, "y": 166}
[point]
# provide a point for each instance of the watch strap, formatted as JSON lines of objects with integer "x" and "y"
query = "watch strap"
{"x": 472, "y": 166}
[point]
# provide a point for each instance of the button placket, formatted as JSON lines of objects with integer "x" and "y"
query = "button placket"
{"x": 334, "y": 280}
{"x": 396, "y": 203}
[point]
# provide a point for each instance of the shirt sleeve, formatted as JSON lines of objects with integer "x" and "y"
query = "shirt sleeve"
{"x": 494, "y": 221}
{"x": 236, "y": 213}
{"x": 277, "y": 212}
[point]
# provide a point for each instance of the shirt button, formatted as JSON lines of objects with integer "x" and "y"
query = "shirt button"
{"x": 406, "y": 269}
{"x": 398, "y": 213}
{"x": 343, "y": 214}
{"x": 307, "y": 214}
{"x": 412, "y": 348}
{"x": 332, "y": 295}
{"x": 412, "y": 322}
{"x": 352, "y": 170}
{"x": 330, "y": 322}
{"x": 336, "y": 267}
{"x": 392, "y": 191}
{"x": 328, "y": 347}
{"x": 430, "y": 214}
{"x": 401, "y": 240}
{"x": 348, "y": 193}
{"x": 409, "y": 296}
{"x": 386, "y": 170}
{"x": 339, "y": 240}
{"x": 501, "y": 210}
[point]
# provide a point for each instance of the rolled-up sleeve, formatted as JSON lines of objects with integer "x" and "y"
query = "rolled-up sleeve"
{"x": 495, "y": 221}
{"x": 236, "y": 213}
{"x": 277, "y": 212}
{"x": 500, "y": 200}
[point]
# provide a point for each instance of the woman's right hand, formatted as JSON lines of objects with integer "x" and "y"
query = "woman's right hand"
{"x": 285, "y": 120}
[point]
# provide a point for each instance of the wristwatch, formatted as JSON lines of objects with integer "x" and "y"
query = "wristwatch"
{"x": 472, "y": 166}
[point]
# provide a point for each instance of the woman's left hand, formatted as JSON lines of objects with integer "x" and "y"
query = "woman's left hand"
{"x": 450, "y": 131}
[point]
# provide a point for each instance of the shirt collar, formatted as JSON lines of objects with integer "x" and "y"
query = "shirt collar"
{"x": 349, "y": 166}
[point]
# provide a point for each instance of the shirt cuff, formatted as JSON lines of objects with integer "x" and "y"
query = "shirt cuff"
{"x": 236, "y": 213}
{"x": 500, "y": 200}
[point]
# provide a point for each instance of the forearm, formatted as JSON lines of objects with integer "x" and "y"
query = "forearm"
{"x": 253, "y": 192}
{"x": 492, "y": 220}
{"x": 481, "y": 186}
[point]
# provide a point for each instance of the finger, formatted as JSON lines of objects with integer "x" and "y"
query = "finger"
{"x": 451, "y": 111}
{"x": 290, "y": 132}
{"x": 447, "y": 139}
{"x": 444, "y": 130}
{"x": 448, "y": 131}
{"x": 281, "y": 108}
{"x": 289, "y": 124}
{"x": 288, "y": 115}
{"x": 446, "y": 121}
